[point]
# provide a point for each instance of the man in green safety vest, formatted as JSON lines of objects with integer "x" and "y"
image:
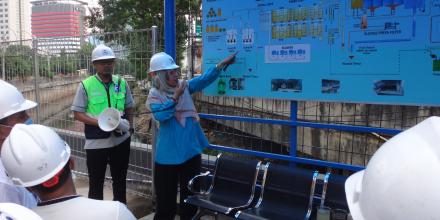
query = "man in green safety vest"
{"x": 95, "y": 94}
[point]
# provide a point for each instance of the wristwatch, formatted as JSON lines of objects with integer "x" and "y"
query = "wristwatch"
{"x": 131, "y": 130}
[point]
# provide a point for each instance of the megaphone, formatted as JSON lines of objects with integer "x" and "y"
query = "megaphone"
{"x": 110, "y": 119}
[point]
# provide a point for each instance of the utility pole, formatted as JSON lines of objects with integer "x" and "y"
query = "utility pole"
{"x": 170, "y": 28}
{"x": 20, "y": 25}
{"x": 3, "y": 62}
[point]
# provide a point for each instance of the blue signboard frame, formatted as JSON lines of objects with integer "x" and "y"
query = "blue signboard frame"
{"x": 293, "y": 122}
{"x": 361, "y": 51}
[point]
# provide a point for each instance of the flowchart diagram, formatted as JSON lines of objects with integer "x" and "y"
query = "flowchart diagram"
{"x": 375, "y": 51}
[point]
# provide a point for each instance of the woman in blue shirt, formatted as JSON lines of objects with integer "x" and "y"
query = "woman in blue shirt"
{"x": 181, "y": 139}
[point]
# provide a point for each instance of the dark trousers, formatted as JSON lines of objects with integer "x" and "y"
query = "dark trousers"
{"x": 117, "y": 157}
{"x": 166, "y": 179}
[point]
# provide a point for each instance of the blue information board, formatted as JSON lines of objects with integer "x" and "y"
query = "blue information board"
{"x": 376, "y": 51}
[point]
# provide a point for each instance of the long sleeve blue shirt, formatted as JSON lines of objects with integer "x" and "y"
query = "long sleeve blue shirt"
{"x": 177, "y": 144}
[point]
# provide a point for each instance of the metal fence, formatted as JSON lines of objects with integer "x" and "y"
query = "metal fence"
{"x": 55, "y": 70}
{"x": 252, "y": 128}
{"x": 55, "y": 66}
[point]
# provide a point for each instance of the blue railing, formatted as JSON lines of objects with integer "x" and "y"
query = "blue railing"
{"x": 294, "y": 124}
{"x": 170, "y": 48}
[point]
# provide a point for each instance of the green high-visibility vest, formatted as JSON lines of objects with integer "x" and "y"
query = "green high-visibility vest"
{"x": 100, "y": 99}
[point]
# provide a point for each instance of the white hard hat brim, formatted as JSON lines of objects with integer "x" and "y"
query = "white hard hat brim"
{"x": 174, "y": 66}
{"x": 353, "y": 189}
{"x": 105, "y": 58}
{"x": 18, "y": 212}
{"x": 27, "y": 104}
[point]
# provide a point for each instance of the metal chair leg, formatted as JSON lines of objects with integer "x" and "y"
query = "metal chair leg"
{"x": 198, "y": 214}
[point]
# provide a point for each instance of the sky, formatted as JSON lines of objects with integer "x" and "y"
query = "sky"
{"x": 93, "y": 2}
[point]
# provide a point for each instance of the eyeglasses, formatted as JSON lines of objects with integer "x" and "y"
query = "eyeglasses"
{"x": 174, "y": 72}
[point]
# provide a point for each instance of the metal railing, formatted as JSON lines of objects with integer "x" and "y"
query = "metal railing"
{"x": 337, "y": 135}
{"x": 49, "y": 71}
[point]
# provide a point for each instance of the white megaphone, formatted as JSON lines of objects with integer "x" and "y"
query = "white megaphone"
{"x": 110, "y": 119}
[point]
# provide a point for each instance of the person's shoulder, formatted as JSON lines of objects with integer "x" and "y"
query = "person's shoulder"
{"x": 102, "y": 205}
{"x": 89, "y": 77}
{"x": 103, "y": 209}
{"x": 113, "y": 208}
{"x": 154, "y": 92}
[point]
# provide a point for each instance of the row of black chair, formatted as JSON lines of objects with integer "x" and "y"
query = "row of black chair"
{"x": 232, "y": 187}
{"x": 285, "y": 192}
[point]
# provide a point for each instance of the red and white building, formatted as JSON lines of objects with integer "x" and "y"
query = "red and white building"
{"x": 58, "y": 24}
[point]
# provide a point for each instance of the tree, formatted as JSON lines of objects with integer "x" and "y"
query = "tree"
{"x": 18, "y": 61}
{"x": 122, "y": 15}
{"x": 84, "y": 55}
{"x": 68, "y": 66}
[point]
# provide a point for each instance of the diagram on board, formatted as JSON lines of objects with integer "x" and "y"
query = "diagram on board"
{"x": 375, "y": 51}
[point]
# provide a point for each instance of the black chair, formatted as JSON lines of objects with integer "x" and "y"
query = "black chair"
{"x": 333, "y": 194}
{"x": 287, "y": 193}
{"x": 232, "y": 187}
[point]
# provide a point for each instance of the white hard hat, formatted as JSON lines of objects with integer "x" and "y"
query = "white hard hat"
{"x": 162, "y": 61}
{"x": 12, "y": 101}
{"x": 12, "y": 211}
{"x": 102, "y": 52}
{"x": 401, "y": 181}
{"x": 32, "y": 154}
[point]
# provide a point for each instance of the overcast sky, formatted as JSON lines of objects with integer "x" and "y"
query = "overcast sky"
{"x": 93, "y": 2}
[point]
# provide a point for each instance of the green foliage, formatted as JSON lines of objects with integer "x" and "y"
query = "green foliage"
{"x": 84, "y": 56}
{"x": 62, "y": 64}
{"x": 124, "y": 15}
{"x": 18, "y": 61}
